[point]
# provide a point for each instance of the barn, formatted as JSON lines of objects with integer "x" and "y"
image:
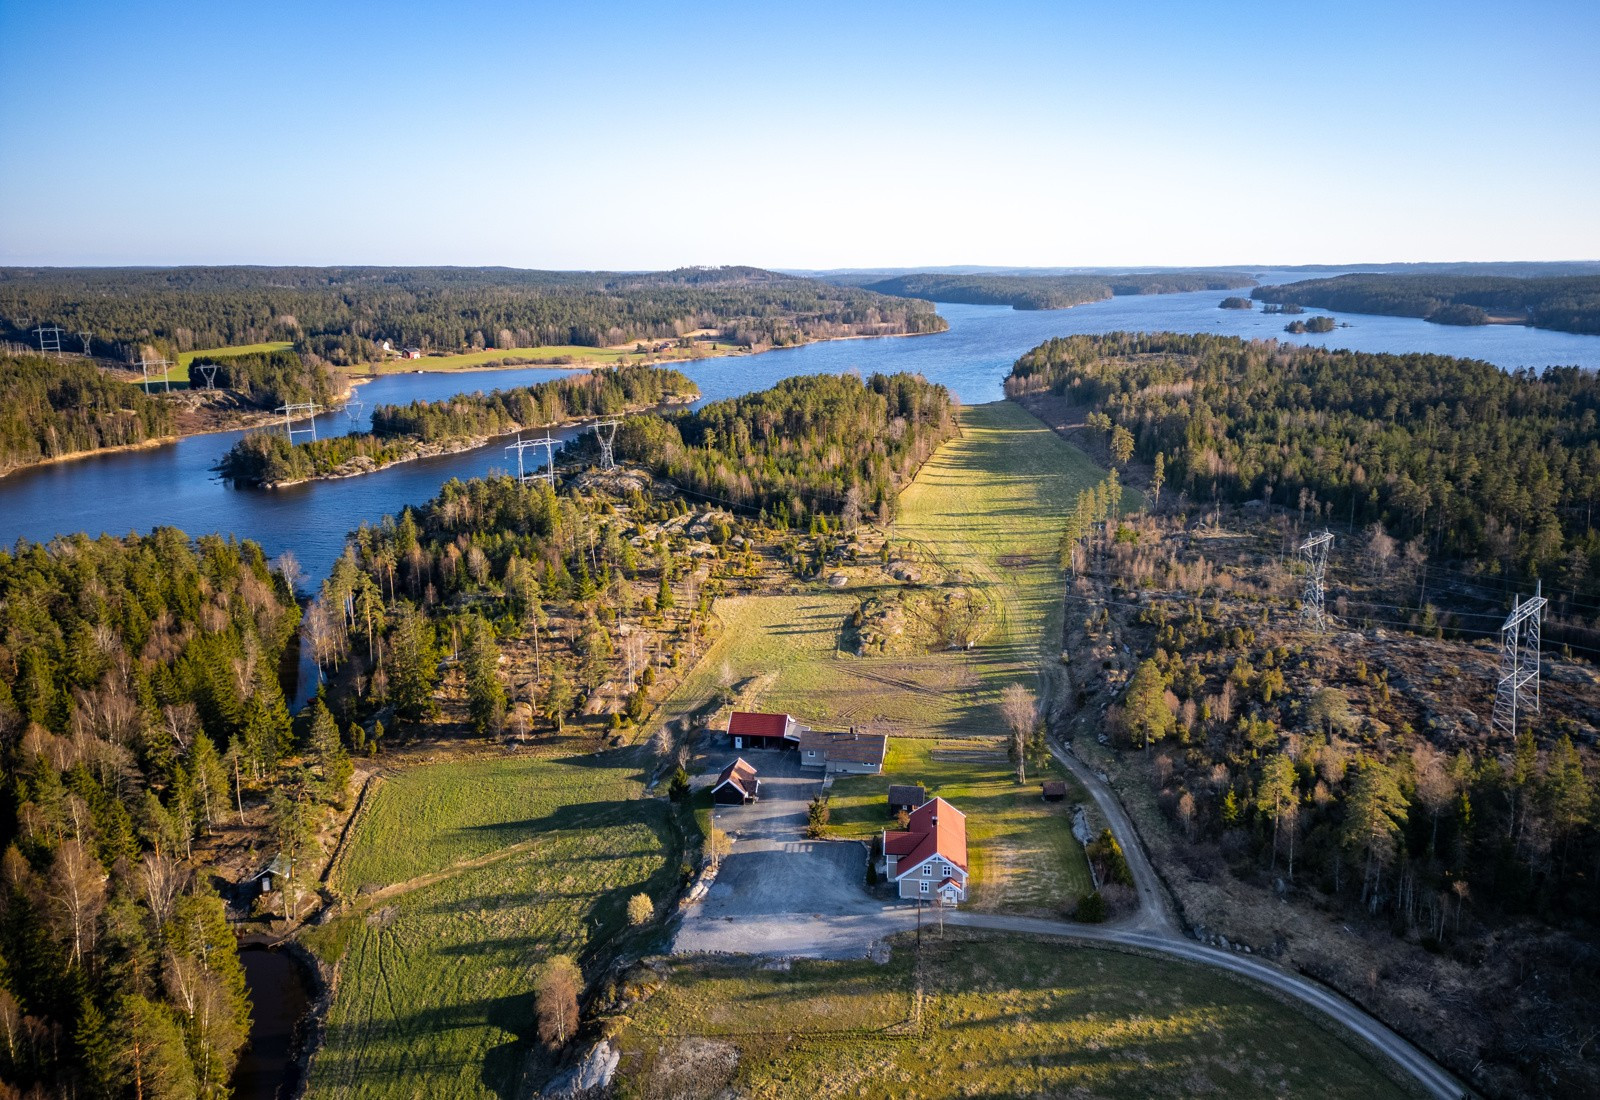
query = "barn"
{"x": 754, "y": 730}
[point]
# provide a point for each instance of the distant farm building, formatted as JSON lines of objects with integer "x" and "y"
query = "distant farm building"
{"x": 411, "y": 353}
{"x": 737, "y": 784}
{"x": 1054, "y": 790}
{"x": 905, "y": 797}
{"x": 753, "y": 730}
{"x": 853, "y": 753}
{"x": 927, "y": 860}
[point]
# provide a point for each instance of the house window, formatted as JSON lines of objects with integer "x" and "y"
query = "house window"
{"x": 924, "y": 887}
{"x": 927, "y": 870}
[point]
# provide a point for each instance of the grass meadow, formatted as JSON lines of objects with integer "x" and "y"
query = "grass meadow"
{"x": 1021, "y": 852}
{"x": 999, "y": 1016}
{"x": 464, "y": 877}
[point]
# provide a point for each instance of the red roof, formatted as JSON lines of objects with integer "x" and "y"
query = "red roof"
{"x": 746, "y": 723}
{"x": 741, "y": 774}
{"x": 935, "y": 828}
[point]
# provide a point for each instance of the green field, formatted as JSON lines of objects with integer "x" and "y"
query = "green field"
{"x": 986, "y": 510}
{"x": 579, "y": 356}
{"x": 1022, "y": 855}
{"x": 1001, "y": 1016}
{"x": 464, "y": 877}
{"x": 180, "y": 371}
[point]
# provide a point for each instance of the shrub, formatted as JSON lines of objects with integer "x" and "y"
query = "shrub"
{"x": 1091, "y": 908}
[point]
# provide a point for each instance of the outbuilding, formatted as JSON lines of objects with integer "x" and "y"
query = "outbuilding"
{"x": 737, "y": 784}
{"x": 1054, "y": 790}
{"x": 754, "y": 730}
{"x": 905, "y": 797}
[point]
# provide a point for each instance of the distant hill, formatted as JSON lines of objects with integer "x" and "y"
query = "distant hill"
{"x": 1051, "y": 291}
{"x": 1567, "y": 303}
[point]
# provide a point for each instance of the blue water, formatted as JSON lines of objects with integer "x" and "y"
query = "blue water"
{"x": 176, "y": 484}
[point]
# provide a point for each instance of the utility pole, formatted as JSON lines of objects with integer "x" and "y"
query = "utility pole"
{"x": 548, "y": 473}
{"x": 308, "y": 409}
{"x": 1517, "y": 689}
{"x": 1314, "y": 552}
{"x": 606, "y": 432}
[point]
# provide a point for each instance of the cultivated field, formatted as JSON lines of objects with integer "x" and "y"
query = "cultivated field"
{"x": 1023, "y": 856}
{"x": 465, "y": 876}
{"x": 180, "y": 370}
{"x": 1000, "y": 1016}
{"x": 567, "y": 354}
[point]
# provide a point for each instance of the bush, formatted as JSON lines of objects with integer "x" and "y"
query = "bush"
{"x": 678, "y": 789}
{"x": 640, "y": 909}
{"x": 1091, "y": 909}
{"x": 817, "y": 818}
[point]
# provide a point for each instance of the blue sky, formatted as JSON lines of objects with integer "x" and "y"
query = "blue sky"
{"x": 637, "y": 135}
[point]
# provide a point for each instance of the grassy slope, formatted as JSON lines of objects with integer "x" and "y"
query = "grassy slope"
{"x": 986, "y": 507}
{"x": 180, "y": 371}
{"x": 485, "y": 868}
{"x": 579, "y": 356}
{"x": 1002, "y": 1017}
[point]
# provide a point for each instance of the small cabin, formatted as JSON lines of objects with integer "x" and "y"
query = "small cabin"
{"x": 1054, "y": 790}
{"x": 906, "y": 797}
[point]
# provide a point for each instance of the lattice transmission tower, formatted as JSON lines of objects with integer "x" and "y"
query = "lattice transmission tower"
{"x": 1517, "y": 690}
{"x": 144, "y": 366}
{"x": 606, "y": 432}
{"x": 49, "y": 339}
{"x": 548, "y": 473}
{"x": 308, "y": 409}
{"x": 1314, "y": 552}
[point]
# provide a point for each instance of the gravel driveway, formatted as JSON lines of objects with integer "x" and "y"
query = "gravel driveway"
{"x": 778, "y": 893}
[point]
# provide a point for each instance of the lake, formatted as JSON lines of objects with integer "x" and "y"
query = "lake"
{"x": 176, "y": 484}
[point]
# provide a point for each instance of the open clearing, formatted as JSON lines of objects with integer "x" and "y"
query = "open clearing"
{"x": 1000, "y": 1016}
{"x": 180, "y": 370}
{"x": 465, "y": 876}
{"x": 568, "y": 354}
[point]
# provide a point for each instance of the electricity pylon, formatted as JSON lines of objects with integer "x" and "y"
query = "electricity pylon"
{"x": 1517, "y": 690}
{"x": 546, "y": 475}
{"x": 1314, "y": 551}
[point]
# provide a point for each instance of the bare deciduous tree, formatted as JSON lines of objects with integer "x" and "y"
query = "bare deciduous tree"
{"x": 556, "y": 989}
{"x": 1021, "y": 715}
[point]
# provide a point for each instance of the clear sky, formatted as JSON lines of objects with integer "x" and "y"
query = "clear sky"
{"x": 643, "y": 135}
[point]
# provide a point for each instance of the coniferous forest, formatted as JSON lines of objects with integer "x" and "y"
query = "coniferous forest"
{"x": 1496, "y": 467}
{"x": 343, "y": 315}
{"x": 1569, "y": 303}
{"x": 1053, "y": 291}
{"x": 401, "y": 431}
{"x": 141, "y": 714}
{"x": 810, "y": 445}
{"x": 50, "y": 408}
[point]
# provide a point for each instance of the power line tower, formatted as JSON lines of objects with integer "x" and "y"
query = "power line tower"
{"x": 1517, "y": 690}
{"x": 308, "y": 409}
{"x": 1314, "y": 552}
{"x": 49, "y": 339}
{"x": 208, "y": 371}
{"x": 606, "y": 432}
{"x": 144, "y": 366}
{"x": 353, "y": 409}
{"x": 548, "y": 473}
{"x": 88, "y": 341}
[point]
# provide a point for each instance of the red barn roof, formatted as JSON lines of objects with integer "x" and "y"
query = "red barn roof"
{"x": 745, "y": 723}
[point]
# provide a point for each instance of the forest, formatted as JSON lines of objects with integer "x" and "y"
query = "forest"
{"x": 270, "y": 379}
{"x": 141, "y": 715}
{"x": 1498, "y": 469}
{"x": 401, "y": 431}
{"x": 809, "y": 446}
{"x": 54, "y": 407}
{"x": 342, "y": 315}
{"x": 1053, "y": 291}
{"x": 1569, "y": 303}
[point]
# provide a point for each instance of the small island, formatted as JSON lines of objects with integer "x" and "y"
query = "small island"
{"x": 1287, "y": 307}
{"x": 1320, "y": 323}
{"x": 424, "y": 429}
{"x": 1236, "y": 302}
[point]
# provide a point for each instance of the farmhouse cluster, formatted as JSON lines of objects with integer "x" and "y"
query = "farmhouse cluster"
{"x": 923, "y": 860}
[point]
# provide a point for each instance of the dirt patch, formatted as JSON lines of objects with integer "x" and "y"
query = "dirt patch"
{"x": 1016, "y": 561}
{"x": 694, "y": 1069}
